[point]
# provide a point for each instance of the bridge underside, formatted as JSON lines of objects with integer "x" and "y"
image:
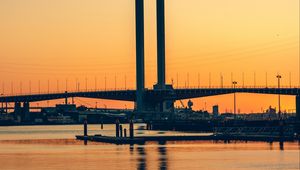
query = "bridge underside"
{"x": 195, "y": 93}
{"x": 123, "y": 95}
{"x": 150, "y": 95}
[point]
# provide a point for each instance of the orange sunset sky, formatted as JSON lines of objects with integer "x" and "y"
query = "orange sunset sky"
{"x": 81, "y": 40}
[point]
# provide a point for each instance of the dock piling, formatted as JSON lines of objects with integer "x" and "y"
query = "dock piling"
{"x": 281, "y": 133}
{"x": 125, "y": 132}
{"x": 117, "y": 128}
{"x": 85, "y": 130}
{"x": 121, "y": 131}
{"x": 149, "y": 126}
{"x": 131, "y": 131}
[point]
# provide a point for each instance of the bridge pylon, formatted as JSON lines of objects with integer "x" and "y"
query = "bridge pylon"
{"x": 163, "y": 105}
{"x": 22, "y": 111}
{"x": 298, "y": 107}
{"x": 161, "y": 57}
{"x": 140, "y": 65}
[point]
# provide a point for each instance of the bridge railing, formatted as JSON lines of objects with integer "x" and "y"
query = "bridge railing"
{"x": 64, "y": 91}
{"x": 237, "y": 87}
{"x": 123, "y": 89}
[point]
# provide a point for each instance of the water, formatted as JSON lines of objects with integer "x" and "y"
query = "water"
{"x": 55, "y": 147}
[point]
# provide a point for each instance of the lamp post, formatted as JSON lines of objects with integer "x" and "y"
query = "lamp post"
{"x": 234, "y": 83}
{"x": 279, "y": 109}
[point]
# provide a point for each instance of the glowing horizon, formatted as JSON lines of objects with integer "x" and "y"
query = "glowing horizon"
{"x": 75, "y": 40}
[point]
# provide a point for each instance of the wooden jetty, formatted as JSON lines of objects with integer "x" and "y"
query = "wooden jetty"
{"x": 111, "y": 139}
{"x": 227, "y": 135}
{"x": 144, "y": 139}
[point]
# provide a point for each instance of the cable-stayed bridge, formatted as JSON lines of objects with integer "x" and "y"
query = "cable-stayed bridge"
{"x": 162, "y": 97}
{"x": 150, "y": 94}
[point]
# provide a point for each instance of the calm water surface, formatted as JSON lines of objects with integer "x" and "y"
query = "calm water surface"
{"x": 55, "y": 147}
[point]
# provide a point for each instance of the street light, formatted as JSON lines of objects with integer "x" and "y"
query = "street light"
{"x": 234, "y": 97}
{"x": 279, "y": 110}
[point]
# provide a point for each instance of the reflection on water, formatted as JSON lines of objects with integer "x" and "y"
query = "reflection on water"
{"x": 271, "y": 145}
{"x": 281, "y": 144}
{"x": 131, "y": 148}
{"x": 163, "y": 157}
{"x": 28, "y": 148}
{"x": 141, "y": 158}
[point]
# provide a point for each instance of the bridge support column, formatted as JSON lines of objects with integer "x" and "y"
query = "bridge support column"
{"x": 164, "y": 105}
{"x": 6, "y": 107}
{"x": 298, "y": 114}
{"x": 140, "y": 64}
{"x": 26, "y": 111}
{"x": 66, "y": 97}
{"x": 161, "y": 70}
{"x": 298, "y": 108}
{"x": 17, "y": 108}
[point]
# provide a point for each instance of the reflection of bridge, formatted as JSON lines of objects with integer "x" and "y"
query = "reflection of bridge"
{"x": 162, "y": 96}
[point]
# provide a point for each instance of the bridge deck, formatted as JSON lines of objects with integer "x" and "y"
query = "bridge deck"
{"x": 150, "y": 94}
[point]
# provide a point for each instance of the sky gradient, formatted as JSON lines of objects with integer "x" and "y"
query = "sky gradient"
{"x": 66, "y": 41}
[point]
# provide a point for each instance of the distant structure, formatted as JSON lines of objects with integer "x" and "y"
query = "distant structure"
{"x": 215, "y": 109}
{"x": 190, "y": 104}
{"x": 271, "y": 110}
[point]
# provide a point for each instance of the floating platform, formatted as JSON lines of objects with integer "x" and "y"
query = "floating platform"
{"x": 144, "y": 139}
{"x": 110, "y": 139}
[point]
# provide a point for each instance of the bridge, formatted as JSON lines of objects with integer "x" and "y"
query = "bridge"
{"x": 152, "y": 94}
{"x": 162, "y": 97}
{"x": 149, "y": 95}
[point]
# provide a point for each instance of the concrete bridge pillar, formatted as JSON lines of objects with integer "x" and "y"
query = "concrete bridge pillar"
{"x": 298, "y": 114}
{"x": 298, "y": 108}
{"x": 66, "y": 97}
{"x": 17, "y": 108}
{"x": 161, "y": 63}
{"x": 26, "y": 111}
{"x": 6, "y": 107}
{"x": 140, "y": 65}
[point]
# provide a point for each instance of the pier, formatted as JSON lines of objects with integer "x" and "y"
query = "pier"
{"x": 221, "y": 137}
{"x": 277, "y": 133}
{"x": 226, "y": 134}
